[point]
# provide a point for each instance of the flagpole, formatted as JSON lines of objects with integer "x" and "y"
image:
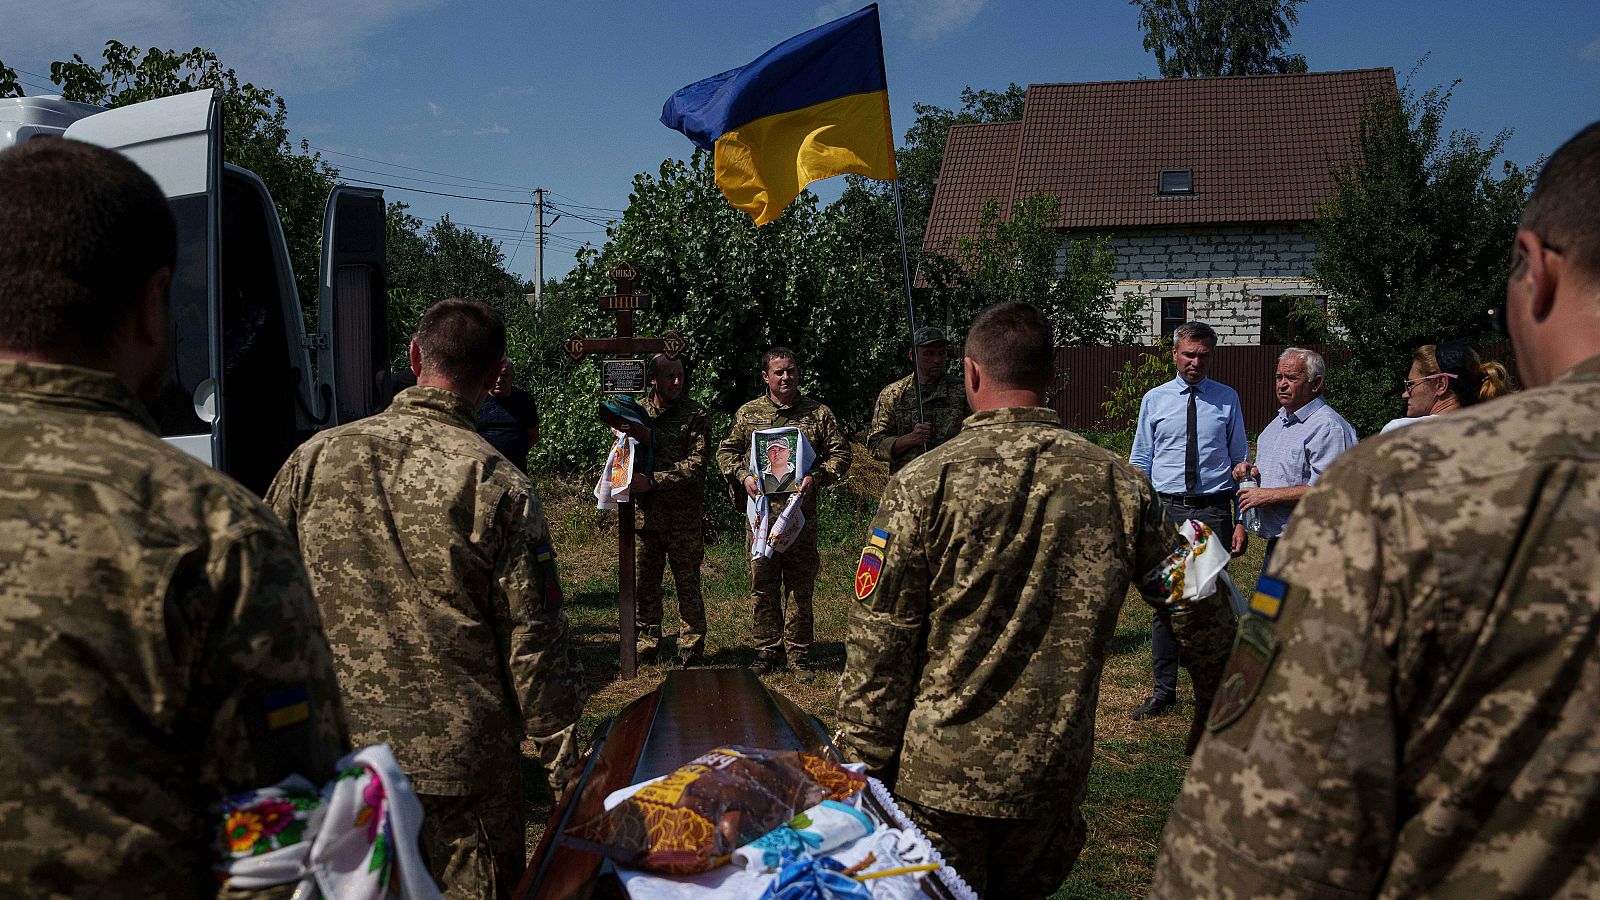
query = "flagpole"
{"x": 911, "y": 312}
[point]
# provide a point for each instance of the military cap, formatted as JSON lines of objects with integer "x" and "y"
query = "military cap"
{"x": 928, "y": 334}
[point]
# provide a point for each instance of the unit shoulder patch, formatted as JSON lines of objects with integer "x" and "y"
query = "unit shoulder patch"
{"x": 1253, "y": 653}
{"x": 868, "y": 572}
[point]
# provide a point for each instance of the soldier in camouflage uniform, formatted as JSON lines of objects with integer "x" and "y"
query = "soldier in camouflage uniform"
{"x": 781, "y": 587}
{"x": 159, "y": 646}
{"x": 1410, "y": 711}
{"x": 898, "y": 436}
{"x": 431, "y": 560}
{"x": 671, "y": 501}
{"x": 985, "y": 598}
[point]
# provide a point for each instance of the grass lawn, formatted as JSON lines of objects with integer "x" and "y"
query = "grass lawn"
{"x": 1138, "y": 766}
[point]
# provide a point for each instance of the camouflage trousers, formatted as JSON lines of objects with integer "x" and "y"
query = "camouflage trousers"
{"x": 1012, "y": 858}
{"x": 475, "y": 846}
{"x": 559, "y": 754}
{"x": 780, "y": 593}
{"x": 685, "y": 548}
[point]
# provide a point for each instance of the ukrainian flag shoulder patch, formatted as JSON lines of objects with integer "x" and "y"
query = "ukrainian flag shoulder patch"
{"x": 1267, "y": 601}
{"x": 879, "y": 538}
{"x": 288, "y": 706}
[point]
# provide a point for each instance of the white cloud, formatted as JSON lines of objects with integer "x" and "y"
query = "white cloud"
{"x": 433, "y": 109}
{"x": 924, "y": 21}
{"x": 930, "y": 20}
{"x": 496, "y": 128}
{"x": 1591, "y": 51}
{"x": 288, "y": 45}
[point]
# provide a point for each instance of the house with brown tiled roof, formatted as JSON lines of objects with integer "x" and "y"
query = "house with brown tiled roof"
{"x": 1206, "y": 187}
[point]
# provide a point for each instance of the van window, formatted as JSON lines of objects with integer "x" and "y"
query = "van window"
{"x": 173, "y": 410}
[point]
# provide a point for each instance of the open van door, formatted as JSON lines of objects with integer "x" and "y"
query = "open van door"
{"x": 353, "y": 305}
{"x": 178, "y": 140}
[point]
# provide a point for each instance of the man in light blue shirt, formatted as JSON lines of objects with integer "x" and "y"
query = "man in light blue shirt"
{"x": 1297, "y": 446}
{"x": 1189, "y": 438}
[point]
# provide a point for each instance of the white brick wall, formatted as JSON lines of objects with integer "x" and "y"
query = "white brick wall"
{"x": 1223, "y": 272}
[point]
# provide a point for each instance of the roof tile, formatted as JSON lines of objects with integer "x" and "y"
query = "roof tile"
{"x": 1262, "y": 148}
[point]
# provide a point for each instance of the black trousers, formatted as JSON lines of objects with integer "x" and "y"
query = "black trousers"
{"x": 1163, "y": 646}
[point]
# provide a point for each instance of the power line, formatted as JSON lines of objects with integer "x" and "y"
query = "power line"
{"x": 524, "y": 234}
{"x": 496, "y": 227}
{"x": 36, "y": 85}
{"x": 380, "y": 162}
{"x": 426, "y": 181}
{"x": 401, "y": 187}
{"x": 580, "y": 216}
{"x": 581, "y": 206}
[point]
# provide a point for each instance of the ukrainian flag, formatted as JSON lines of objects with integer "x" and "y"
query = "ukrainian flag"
{"x": 815, "y": 106}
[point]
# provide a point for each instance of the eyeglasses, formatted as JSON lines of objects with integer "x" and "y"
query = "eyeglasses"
{"x": 1497, "y": 314}
{"x": 1411, "y": 383}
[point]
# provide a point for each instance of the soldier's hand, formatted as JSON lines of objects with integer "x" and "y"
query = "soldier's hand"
{"x": 752, "y": 487}
{"x": 923, "y": 433}
{"x": 640, "y": 485}
{"x": 807, "y": 484}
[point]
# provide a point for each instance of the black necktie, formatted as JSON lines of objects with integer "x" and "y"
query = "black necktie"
{"x": 1191, "y": 449}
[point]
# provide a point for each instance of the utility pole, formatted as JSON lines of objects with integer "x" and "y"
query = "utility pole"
{"x": 538, "y": 240}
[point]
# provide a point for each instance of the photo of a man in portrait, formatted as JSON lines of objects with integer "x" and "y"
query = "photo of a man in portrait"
{"x": 778, "y": 472}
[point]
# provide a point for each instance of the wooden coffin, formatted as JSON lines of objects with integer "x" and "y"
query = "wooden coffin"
{"x": 693, "y": 711}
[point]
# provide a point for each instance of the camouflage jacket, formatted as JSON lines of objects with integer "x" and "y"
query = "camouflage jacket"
{"x": 1426, "y": 724}
{"x": 986, "y": 596}
{"x": 676, "y": 499}
{"x": 944, "y": 406}
{"x": 814, "y": 420}
{"x": 159, "y": 647}
{"x": 432, "y": 564}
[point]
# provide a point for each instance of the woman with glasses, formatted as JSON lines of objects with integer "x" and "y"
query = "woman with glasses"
{"x": 1445, "y": 378}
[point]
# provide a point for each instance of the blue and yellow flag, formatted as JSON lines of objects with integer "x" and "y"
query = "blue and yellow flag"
{"x": 815, "y": 106}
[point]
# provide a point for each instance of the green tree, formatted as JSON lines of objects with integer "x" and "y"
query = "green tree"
{"x": 1412, "y": 245}
{"x": 255, "y": 133}
{"x": 731, "y": 290}
{"x": 1196, "y": 38}
{"x": 917, "y": 162}
{"x": 8, "y": 82}
{"x": 1023, "y": 257}
{"x": 427, "y": 265}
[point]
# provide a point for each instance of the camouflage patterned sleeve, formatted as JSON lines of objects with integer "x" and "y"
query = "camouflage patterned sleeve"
{"x": 733, "y": 453}
{"x": 833, "y": 450}
{"x": 692, "y": 468}
{"x": 281, "y": 495}
{"x": 267, "y": 696}
{"x": 546, "y": 674}
{"x": 1294, "y": 791}
{"x": 884, "y": 646}
{"x": 880, "y": 439}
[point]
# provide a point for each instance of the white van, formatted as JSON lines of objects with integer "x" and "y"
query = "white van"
{"x": 243, "y": 392}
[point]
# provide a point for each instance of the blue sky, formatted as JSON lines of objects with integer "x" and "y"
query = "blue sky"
{"x": 493, "y": 100}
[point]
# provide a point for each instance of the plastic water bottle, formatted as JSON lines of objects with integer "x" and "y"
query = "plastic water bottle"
{"x": 1252, "y": 517}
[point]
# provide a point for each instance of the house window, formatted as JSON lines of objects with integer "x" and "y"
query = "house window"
{"x": 1176, "y": 181}
{"x": 1174, "y": 312}
{"x": 1288, "y": 319}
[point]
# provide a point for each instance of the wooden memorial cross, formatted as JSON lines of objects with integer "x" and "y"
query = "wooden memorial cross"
{"x": 624, "y": 376}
